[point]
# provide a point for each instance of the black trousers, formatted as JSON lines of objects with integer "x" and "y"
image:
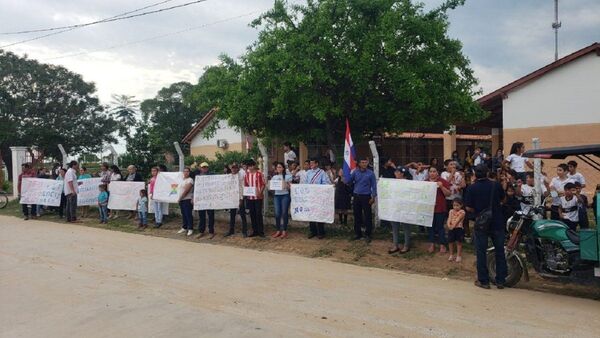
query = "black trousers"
{"x": 26, "y": 209}
{"x": 256, "y": 217}
{"x": 317, "y": 229}
{"x": 363, "y": 215}
{"x": 233, "y": 212}
{"x": 211, "y": 221}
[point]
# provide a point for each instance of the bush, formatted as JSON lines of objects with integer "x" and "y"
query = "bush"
{"x": 218, "y": 164}
{"x": 6, "y": 186}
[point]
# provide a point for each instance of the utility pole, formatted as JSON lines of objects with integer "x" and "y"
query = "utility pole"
{"x": 556, "y": 25}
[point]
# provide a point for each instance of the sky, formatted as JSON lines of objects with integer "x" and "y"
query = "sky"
{"x": 504, "y": 39}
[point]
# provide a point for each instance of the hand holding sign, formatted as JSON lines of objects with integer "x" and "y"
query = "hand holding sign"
{"x": 276, "y": 184}
{"x": 250, "y": 191}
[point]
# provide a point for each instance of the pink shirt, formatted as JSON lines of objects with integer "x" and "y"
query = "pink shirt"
{"x": 151, "y": 185}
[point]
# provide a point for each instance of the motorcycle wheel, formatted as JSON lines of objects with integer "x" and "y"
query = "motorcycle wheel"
{"x": 514, "y": 269}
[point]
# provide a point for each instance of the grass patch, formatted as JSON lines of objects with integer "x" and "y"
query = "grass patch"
{"x": 325, "y": 251}
{"x": 359, "y": 249}
{"x": 454, "y": 271}
{"x": 414, "y": 254}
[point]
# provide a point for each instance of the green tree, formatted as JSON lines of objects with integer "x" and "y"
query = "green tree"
{"x": 43, "y": 105}
{"x": 387, "y": 65}
{"x": 124, "y": 109}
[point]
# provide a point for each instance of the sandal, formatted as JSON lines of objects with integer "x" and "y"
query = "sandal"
{"x": 451, "y": 258}
{"x": 404, "y": 250}
{"x": 431, "y": 248}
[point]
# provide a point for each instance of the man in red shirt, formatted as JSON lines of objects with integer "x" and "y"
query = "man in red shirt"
{"x": 440, "y": 212}
{"x": 254, "y": 202}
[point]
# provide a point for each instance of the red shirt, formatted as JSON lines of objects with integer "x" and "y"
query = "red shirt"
{"x": 440, "y": 198}
{"x": 257, "y": 180}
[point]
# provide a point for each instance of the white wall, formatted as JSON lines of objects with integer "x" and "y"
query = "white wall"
{"x": 569, "y": 94}
{"x": 224, "y": 132}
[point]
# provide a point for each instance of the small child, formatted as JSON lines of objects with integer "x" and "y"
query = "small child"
{"x": 582, "y": 205}
{"x": 568, "y": 209}
{"x": 103, "y": 204}
{"x": 456, "y": 232}
{"x": 142, "y": 209}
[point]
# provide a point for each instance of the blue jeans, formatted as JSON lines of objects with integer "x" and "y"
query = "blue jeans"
{"x": 158, "y": 214}
{"x": 143, "y": 217}
{"x": 282, "y": 209}
{"x": 396, "y": 233}
{"x": 439, "y": 219}
{"x": 103, "y": 213}
{"x": 481, "y": 245}
{"x": 187, "y": 214}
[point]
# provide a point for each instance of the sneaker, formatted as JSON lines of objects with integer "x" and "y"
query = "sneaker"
{"x": 157, "y": 225}
{"x": 483, "y": 286}
{"x": 181, "y": 231}
{"x": 458, "y": 259}
{"x": 190, "y": 232}
{"x": 451, "y": 258}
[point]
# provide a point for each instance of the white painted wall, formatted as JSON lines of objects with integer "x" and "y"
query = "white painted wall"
{"x": 569, "y": 94}
{"x": 224, "y": 132}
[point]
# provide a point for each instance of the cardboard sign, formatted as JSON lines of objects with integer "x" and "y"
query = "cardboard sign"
{"x": 124, "y": 195}
{"x": 88, "y": 191}
{"x": 164, "y": 207}
{"x": 250, "y": 191}
{"x": 168, "y": 187}
{"x": 276, "y": 185}
{"x": 216, "y": 192}
{"x": 41, "y": 191}
{"x": 406, "y": 201}
{"x": 313, "y": 203}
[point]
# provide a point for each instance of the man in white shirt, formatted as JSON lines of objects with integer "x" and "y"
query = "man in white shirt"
{"x": 574, "y": 175}
{"x": 288, "y": 154}
{"x": 418, "y": 171}
{"x": 70, "y": 190}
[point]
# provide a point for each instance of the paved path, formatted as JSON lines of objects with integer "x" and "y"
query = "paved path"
{"x": 59, "y": 280}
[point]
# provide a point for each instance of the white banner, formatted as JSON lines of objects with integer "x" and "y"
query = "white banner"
{"x": 168, "y": 187}
{"x": 124, "y": 195}
{"x": 165, "y": 207}
{"x": 406, "y": 201}
{"x": 216, "y": 192}
{"x": 313, "y": 203}
{"x": 41, "y": 191}
{"x": 88, "y": 191}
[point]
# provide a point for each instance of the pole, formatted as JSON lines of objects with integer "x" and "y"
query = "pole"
{"x": 64, "y": 155}
{"x": 375, "y": 154}
{"x": 180, "y": 154}
{"x": 556, "y": 25}
{"x": 537, "y": 174}
{"x": 265, "y": 156}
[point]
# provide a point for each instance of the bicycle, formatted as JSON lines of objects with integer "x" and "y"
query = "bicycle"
{"x": 3, "y": 199}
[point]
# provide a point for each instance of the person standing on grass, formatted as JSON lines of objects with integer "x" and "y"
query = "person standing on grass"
{"x": 483, "y": 194}
{"x": 440, "y": 211}
{"x": 456, "y": 231}
{"x": 63, "y": 199}
{"x": 158, "y": 206}
{"x": 27, "y": 172}
{"x": 132, "y": 176}
{"x": 400, "y": 173}
{"x": 103, "y": 203}
{"x": 282, "y": 200}
{"x": 365, "y": 192}
{"x": 241, "y": 210}
{"x": 203, "y": 214}
{"x": 71, "y": 191}
{"x": 343, "y": 197}
{"x": 316, "y": 175}
{"x": 115, "y": 175}
{"x": 255, "y": 179}
{"x": 142, "y": 209}
{"x": 84, "y": 175}
{"x": 185, "y": 203}
{"x": 105, "y": 173}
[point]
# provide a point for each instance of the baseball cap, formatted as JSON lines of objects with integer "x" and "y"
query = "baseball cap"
{"x": 203, "y": 164}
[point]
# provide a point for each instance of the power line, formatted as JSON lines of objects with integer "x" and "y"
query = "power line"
{"x": 115, "y": 18}
{"x": 152, "y": 38}
{"x": 73, "y": 28}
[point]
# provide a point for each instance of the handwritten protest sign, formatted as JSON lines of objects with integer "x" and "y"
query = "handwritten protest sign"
{"x": 41, "y": 191}
{"x": 313, "y": 203}
{"x": 406, "y": 201}
{"x": 88, "y": 191}
{"x": 216, "y": 192}
{"x": 275, "y": 184}
{"x": 168, "y": 187}
{"x": 249, "y": 191}
{"x": 124, "y": 195}
{"x": 165, "y": 207}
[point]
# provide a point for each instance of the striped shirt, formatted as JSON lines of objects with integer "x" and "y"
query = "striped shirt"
{"x": 256, "y": 180}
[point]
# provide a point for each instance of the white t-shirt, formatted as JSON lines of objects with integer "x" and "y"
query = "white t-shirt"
{"x": 115, "y": 177}
{"x": 454, "y": 184}
{"x": 517, "y": 162}
{"x": 577, "y": 177}
{"x": 241, "y": 175}
{"x": 70, "y": 176}
{"x": 189, "y": 195}
{"x": 301, "y": 176}
{"x": 570, "y": 210}
{"x": 559, "y": 187}
{"x": 527, "y": 195}
{"x": 289, "y": 156}
{"x": 422, "y": 176}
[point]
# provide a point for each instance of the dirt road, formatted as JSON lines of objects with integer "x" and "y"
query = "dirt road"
{"x": 59, "y": 280}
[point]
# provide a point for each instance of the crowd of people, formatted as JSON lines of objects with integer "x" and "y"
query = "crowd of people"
{"x": 466, "y": 188}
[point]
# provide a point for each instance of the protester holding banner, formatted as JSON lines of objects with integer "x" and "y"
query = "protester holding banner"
{"x": 158, "y": 206}
{"x": 254, "y": 186}
{"x": 71, "y": 191}
{"x": 104, "y": 173}
{"x": 27, "y": 171}
{"x": 365, "y": 192}
{"x": 84, "y": 175}
{"x": 202, "y": 214}
{"x": 316, "y": 175}
{"x": 282, "y": 199}
{"x": 185, "y": 203}
{"x": 63, "y": 199}
{"x": 115, "y": 175}
{"x": 235, "y": 171}
{"x": 400, "y": 173}
{"x": 440, "y": 211}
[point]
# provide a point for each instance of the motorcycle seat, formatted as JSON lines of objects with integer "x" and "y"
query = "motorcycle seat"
{"x": 573, "y": 236}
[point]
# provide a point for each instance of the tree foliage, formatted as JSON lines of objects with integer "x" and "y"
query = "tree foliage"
{"x": 125, "y": 109}
{"x": 43, "y": 105}
{"x": 387, "y": 65}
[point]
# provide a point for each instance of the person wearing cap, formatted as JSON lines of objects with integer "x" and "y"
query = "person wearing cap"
{"x": 202, "y": 214}
{"x": 241, "y": 210}
{"x": 400, "y": 173}
{"x": 254, "y": 178}
{"x": 316, "y": 175}
{"x": 365, "y": 192}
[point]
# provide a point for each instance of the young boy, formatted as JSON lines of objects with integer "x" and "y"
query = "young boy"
{"x": 254, "y": 202}
{"x": 582, "y": 204}
{"x": 568, "y": 209}
{"x": 526, "y": 192}
{"x": 103, "y": 203}
{"x": 574, "y": 175}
